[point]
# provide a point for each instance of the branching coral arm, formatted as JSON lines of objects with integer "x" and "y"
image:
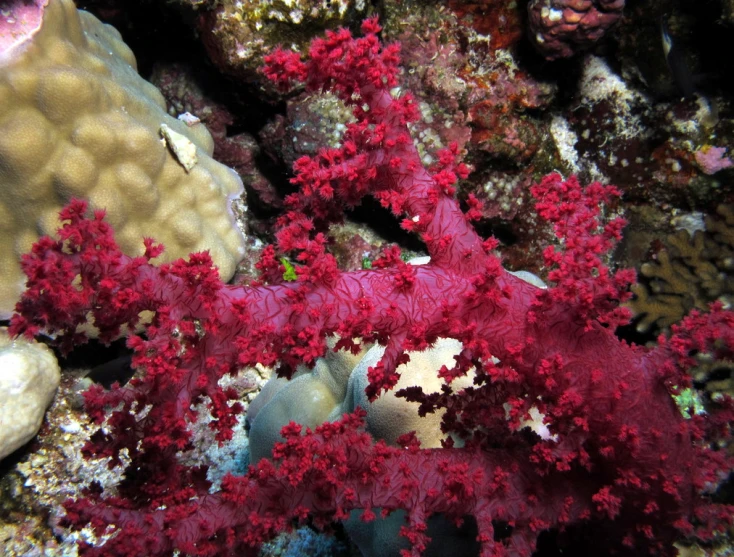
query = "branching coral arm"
{"x": 378, "y": 155}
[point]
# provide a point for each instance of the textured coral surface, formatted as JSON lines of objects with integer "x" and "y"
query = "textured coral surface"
{"x": 76, "y": 120}
{"x": 238, "y": 33}
{"x": 560, "y": 28}
{"x": 691, "y": 272}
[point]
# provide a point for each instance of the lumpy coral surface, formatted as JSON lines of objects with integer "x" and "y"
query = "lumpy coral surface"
{"x": 77, "y": 121}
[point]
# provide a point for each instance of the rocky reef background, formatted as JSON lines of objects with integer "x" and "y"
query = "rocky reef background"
{"x": 612, "y": 111}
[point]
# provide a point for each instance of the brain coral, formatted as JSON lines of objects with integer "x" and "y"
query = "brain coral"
{"x": 78, "y": 121}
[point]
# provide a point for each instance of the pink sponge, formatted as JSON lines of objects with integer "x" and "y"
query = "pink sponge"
{"x": 712, "y": 159}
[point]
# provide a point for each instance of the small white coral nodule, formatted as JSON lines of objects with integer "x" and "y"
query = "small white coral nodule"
{"x": 29, "y": 377}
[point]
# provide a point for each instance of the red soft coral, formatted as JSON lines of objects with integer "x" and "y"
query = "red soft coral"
{"x": 618, "y": 460}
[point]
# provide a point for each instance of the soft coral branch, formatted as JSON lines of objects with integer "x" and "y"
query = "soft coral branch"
{"x": 578, "y": 270}
{"x": 378, "y": 156}
{"x": 325, "y": 473}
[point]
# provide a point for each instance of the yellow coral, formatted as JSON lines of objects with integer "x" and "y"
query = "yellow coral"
{"x": 691, "y": 272}
{"x": 77, "y": 120}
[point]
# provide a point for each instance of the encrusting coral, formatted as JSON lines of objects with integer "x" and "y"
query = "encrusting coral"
{"x": 691, "y": 272}
{"x": 76, "y": 120}
{"x": 560, "y": 28}
{"x": 238, "y": 33}
{"x": 621, "y": 465}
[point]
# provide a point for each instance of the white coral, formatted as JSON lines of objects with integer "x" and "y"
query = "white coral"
{"x": 29, "y": 377}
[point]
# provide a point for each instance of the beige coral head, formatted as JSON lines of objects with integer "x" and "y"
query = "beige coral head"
{"x": 77, "y": 121}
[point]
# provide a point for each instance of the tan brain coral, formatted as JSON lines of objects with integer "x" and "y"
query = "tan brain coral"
{"x": 78, "y": 121}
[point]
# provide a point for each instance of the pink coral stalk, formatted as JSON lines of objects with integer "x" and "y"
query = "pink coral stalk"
{"x": 620, "y": 459}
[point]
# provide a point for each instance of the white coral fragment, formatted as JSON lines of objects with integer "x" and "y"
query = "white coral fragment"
{"x": 189, "y": 119}
{"x": 181, "y": 146}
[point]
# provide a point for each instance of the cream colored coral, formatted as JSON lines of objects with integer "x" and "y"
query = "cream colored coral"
{"x": 337, "y": 383}
{"x": 76, "y": 120}
{"x": 29, "y": 377}
{"x": 335, "y": 386}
